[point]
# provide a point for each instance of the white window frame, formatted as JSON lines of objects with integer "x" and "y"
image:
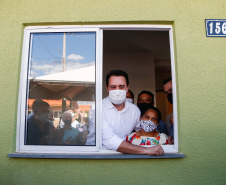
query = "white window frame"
{"x": 98, "y": 149}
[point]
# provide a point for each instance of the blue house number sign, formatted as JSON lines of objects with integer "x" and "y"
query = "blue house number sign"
{"x": 216, "y": 27}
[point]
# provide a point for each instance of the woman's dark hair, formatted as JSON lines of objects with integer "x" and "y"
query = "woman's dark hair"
{"x": 149, "y": 107}
{"x": 117, "y": 73}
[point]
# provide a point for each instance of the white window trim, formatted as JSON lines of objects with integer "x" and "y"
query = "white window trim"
{"x": 98, "y": 149}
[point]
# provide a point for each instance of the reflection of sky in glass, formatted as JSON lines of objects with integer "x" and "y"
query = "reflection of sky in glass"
{"x": 47, "y": 52}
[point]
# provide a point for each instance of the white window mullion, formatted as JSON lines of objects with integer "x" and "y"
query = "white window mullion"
{"x": 23, "y": 92}
{"x": 175, "y": 121}
{"x": 99, "y": 82}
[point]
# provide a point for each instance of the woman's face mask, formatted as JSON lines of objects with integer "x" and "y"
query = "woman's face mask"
{"x": 148, "y": 125}
{"x": 117, "y": 96}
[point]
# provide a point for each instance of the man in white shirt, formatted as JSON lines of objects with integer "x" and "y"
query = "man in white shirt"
{"x": 121, "y": 117}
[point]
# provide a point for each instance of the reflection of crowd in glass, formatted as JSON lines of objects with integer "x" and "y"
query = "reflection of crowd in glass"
{"x": 41, "y": 130}
{"x": 122, "y": 121}
{"x": 39, "y": 124}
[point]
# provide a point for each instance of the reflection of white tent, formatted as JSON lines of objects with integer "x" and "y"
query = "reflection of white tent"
{"x": 68, "y": 84}
{"x": 82, "y": 75}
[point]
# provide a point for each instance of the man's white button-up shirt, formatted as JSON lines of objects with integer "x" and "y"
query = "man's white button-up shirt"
{"x": 118, "y": 124}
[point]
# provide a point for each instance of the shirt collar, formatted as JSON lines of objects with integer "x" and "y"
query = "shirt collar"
{"x": 109, "y": 105}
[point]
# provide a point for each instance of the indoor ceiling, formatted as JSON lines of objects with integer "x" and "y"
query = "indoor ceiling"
{"x": 156, "y": 42}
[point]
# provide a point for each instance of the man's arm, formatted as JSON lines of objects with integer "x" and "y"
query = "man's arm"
{"x": 129, "y": 148}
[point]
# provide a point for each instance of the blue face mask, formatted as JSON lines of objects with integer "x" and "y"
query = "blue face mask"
{"x": 67, "y": 122}
{"x": 44, "y": 117}
{"x": 148, "y": 126}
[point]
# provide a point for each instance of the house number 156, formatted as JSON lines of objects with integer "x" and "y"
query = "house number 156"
{"x": 216, "y": 28}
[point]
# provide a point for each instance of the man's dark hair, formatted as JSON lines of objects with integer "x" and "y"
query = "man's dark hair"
{"x": 164, "y": 82}
{"x": 117, "y": 73}
{"x": 39, "y": 103}
{"x": 149, "y": 107}
{"x": 147, "y": 92}
{"x": 131, "y": 93}
{"x": 70, "y": 108}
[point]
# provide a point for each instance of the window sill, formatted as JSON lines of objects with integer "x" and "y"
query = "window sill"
{"x": 93, "y": 156}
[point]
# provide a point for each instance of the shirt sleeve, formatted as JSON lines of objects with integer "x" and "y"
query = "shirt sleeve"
{"x": 137, "y": 119}
{"x": 110, "y": 139}
{"x": 163, "y": 138}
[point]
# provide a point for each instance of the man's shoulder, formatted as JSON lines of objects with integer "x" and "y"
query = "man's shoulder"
{"x": 74, "y": 129}
{"x": 168, "y": 116}
{"x": 31, "y": 121}
{"x": 106, "y": 103}
{"x": 133, "y": 107}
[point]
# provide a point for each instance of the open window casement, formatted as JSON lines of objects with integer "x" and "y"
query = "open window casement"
{"x": 65, "y": 66}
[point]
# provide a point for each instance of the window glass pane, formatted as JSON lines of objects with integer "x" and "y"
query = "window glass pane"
{"x": 61, "y": 89}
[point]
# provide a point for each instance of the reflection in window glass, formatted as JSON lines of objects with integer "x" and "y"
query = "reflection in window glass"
{"x": 61, "y": 85}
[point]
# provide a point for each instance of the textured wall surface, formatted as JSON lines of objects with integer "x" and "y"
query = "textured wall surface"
{"x": 200, "y": 73}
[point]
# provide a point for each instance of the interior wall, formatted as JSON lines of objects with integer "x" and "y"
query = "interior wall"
{"x": 162, "y": 74}
{"x": 139, "y": 66}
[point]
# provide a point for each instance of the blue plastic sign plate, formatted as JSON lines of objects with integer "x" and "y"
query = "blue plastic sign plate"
{"x": 216, "y": 27}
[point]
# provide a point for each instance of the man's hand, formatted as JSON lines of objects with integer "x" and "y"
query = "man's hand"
{"x": 155, "y": 150}
{"x": 129, "y": 148}
{"x": 170, "y": 140}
